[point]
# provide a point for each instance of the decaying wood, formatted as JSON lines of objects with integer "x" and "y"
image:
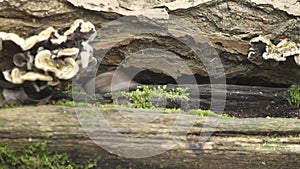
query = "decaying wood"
{"x": 236, "y": 143}
{"x": 241, "y": 101}
{"x": 228, "y": 25}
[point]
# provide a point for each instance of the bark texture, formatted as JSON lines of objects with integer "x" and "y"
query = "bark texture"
{"x": 234, "y": 143}
{"x": 227, "y": 25}
{"x": 217, "y": 29}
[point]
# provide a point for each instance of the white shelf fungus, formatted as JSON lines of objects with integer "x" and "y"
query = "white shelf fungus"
{"x": 262, "y": 47}
{"x": 65, "y": 68}
{"x": 49, "y": 56}
{"x": 17, "y": 76}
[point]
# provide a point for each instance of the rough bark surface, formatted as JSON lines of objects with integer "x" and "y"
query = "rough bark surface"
{"x": 228, "y": 26}
{"x": 269, "y": 143}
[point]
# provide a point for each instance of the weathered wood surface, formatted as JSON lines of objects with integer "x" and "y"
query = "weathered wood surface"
{"x": 234, "y": 143}
{"x": 228, "y": 25}
{"x": 239, "y": 100}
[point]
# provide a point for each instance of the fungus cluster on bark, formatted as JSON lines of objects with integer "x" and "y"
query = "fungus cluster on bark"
{"x": 262, "y": 48}
{"x": 45, "y": 60}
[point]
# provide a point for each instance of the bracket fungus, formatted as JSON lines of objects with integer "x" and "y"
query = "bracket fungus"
{"x": 16, "y": 76}
{"x": 65, "y": 68}
{"x": 47, "y": 59}
{"x": 23, "y": 59}
{"x": 69, "y": 52}
{"x": 262, "y": 48}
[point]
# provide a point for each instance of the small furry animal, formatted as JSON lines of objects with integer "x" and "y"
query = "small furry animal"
{"x": 109, "y": 82}
{"x": 102, "y": 83}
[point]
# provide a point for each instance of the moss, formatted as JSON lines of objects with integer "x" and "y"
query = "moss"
{"x": 35, "y": 156}
{"x": 293, "y": 94}
{"x": 142, "y": 98}
{"x": 71, "y": 104}
{"x": 100, "y": 105}
{"x": 172, "y": 110}
{"x": 204, "y": 113}
{"x": 6, "y": 106}
{"x": 144, "y": 95}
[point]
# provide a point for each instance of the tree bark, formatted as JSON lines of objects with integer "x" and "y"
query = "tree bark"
{"x": 228, "y": 26}
{"x": 253, "y": 142}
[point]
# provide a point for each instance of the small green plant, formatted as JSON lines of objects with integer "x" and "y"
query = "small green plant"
{"x": 177, "y": 93}
{"x": 204, "y": 113}
{"x": 111, "y": 105}
{"x": 71, "y": 104}
{"x": 35, "y": 156}
{"x": 294, "y": 95}
{"x": 143, "y": 96}
{"x": 140, "y": 98}
{"x": 6, "y": 106}
{"x": 172, "y": 110}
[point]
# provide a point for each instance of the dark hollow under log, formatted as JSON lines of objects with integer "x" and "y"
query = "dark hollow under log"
{"x": 227, "y": 25}
{"x": 251, "y": 101}
{"x": 241, "y": 101}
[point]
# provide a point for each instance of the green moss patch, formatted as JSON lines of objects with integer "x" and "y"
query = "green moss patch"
{"x": 35, "y": 156}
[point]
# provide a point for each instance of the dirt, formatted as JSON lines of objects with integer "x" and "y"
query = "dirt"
{"x": 284, "y": 110}
{"x": 243, "y": 101}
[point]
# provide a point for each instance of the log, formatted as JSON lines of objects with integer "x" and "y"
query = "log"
{"x": 227, "y": 27}
{"x": 242, "y": 101}
{"x": 208, "y": 143}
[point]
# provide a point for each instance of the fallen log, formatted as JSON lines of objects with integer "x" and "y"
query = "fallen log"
{"x": 228, "y": 26}
{"x": 210, "y": 142}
